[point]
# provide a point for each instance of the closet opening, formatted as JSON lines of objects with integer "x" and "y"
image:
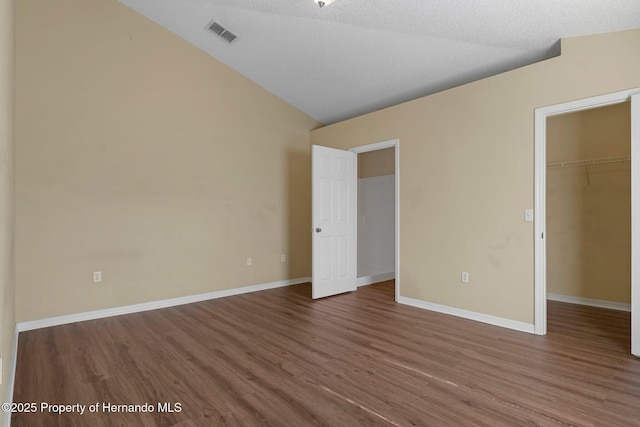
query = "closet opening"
{"x": 378, "y": 209}
{"x": 588, "y": 220}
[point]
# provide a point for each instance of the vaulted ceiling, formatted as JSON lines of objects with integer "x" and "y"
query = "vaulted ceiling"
{"x": 356, "y": 56}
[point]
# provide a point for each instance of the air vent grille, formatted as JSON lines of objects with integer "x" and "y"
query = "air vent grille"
{"x": 222, "y": 31}
{"x": 228, "y": 36}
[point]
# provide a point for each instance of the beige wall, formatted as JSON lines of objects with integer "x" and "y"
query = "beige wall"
{"x": 466, "y": 172}
{"x": 7, "y": 293}
{"x": 140, "y": 156}
{"x": 376, "y": 163}
{"x": 589, "y": 216}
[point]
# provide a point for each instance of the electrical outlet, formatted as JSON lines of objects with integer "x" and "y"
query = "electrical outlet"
{"x": 283, "y": 258}
{"x": 249, "y": 261}
{"x": 465, "y": 277}
{"x": 97, "y": 276}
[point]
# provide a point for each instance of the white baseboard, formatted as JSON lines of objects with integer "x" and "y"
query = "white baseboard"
{"x": 12, "y": 376}
{"x": 153, "y": 305}
{"x": 471, "y": 315}
{"x": 376, "y": 278}
{"x": 611, "y": 305}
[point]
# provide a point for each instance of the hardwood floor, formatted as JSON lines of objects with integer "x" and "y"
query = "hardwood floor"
{"x": 276, "y": 358}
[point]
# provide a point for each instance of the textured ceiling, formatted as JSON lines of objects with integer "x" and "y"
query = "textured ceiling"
{"x": 356, "y": 56}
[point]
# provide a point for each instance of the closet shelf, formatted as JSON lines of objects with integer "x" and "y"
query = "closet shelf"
{"x": 601, "y": 161}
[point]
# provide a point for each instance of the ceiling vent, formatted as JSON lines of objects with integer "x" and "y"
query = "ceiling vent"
{"x": 221, "y": 31}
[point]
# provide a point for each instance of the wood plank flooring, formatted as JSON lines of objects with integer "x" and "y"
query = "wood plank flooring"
{"x": 277, "y": 358}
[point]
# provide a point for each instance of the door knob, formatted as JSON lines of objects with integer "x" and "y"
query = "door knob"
{"x": 318, "y": 229}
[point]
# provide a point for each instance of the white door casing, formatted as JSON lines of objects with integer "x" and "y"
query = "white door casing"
{"x": 635, "y": 224}
{"x": 333, "y": 221}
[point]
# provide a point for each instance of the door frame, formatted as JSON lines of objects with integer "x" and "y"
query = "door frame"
{"x": 540, "y": 173}
{"x": 395, "y": 143}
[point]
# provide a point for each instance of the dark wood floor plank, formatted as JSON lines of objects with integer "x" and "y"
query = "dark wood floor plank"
{"x": 278, "y": 358}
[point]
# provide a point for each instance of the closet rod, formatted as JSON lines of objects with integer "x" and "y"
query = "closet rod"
{"x": 601, "y": 161}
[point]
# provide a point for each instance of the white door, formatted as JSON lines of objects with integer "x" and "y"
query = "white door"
{"x": 333, "y": 220}
{"x": 635, "y": 225}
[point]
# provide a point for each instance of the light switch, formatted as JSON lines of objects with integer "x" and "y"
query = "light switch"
{"x": 528, "y": 215}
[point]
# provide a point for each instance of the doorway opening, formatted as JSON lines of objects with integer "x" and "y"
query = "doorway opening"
{"x": 376, "y": 216}
{"x": 378, "y": 213}
{"x": 334, "y": 218}
{"x": 588, "y": 216}
{"x": 596, "y": 165}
